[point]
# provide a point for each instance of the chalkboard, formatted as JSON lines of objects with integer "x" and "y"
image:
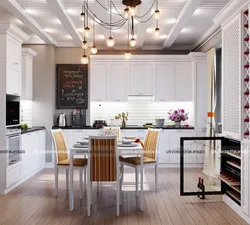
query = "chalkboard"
{"x": 72, "y": 86}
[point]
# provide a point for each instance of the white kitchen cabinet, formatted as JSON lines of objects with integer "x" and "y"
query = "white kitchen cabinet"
{"x": 183, "y": 88}
{"x": 117, "y": 82}
{"x": 165, "y": 79}
{"x": 13, "y": 81}
{"x": 141, "y": 80}
{"x": 14, "y": 51}
{"x": 98, "y": 81}
{"x": 162, "y": 156}
{"x": 27, "y": 73}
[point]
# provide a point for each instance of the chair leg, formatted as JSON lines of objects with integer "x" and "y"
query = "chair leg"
{"x": 118, "y": 197}
{"x": 56, "y": 181}
{"x": 121, "y": 183}
{"x": 136, "y": 181}
{"x": 156, "y": 177}
{"x": 89, "y": 196}
{"x": 80, "y": 174}
{"x": 67, "y": 179}
{"x": 85, "y": 178}
{"x": 90, "y": 193}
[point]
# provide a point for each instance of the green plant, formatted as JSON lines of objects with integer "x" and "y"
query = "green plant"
{"x": 24, "y": 126}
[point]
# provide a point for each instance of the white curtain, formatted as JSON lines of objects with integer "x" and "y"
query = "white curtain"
{"x": 209, "y": 162}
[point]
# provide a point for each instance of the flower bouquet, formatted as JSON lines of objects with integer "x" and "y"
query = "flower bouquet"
{"x": 177, "y": 116}
{"x": 124, "y": 117}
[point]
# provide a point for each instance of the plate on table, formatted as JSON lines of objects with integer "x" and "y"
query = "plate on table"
{"x": 83, "y": 142}
{"x": 80, "y": 146}
{"x": 127, "y": 141}
{"x": 128, "y": 145}
{"x": 129, "y": 137}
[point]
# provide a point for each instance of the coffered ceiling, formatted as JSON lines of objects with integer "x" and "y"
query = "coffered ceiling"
{"x": 182, "y": 22}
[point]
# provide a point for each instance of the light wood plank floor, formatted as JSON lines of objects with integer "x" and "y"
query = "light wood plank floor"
{"x": 33, "y": 203}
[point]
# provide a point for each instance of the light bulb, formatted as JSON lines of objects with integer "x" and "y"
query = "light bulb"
{"x": 93, "y": 50}
{"x": 82, "y": 16}
{"x": 157, "y": 14}
{"x": 84, "y": 59}
{"x": 157, "y": 31}
{"x": 127, "y": 54}
{"x": 126, "y": 12}
{"x": 110, "y": 42}
{"x": 84, "y": 45}
{"x": 132, "y": 11}
{"x": 132, "y": 42}
{"x": 87, "y": 31}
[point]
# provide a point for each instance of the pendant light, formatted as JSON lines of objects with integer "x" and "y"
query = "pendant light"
{"x": 110, "y": 41}
{"x": 85, "y": 44}
{"x": 93, "y": 48}
{"x": 84, "y": 59}
{"x": 132, "y": 41}
{"x": 157, "y": 11}
{"x": 132, "y": 10}
{"x": 82, "y": 15}
{"x": 87, "y": 29}
{"x": 157, "y": 29}
{"x": 128, "y": 53}
{"x": 126, "y": 12}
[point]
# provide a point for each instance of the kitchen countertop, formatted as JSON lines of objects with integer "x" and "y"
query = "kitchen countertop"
{"x": 169, "y": 127}
{"x": 33, "y": 129}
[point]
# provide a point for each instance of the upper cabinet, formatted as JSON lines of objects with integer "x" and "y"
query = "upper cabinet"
{"x": 27, "y": 73}
{"x": 11, "y": 54}
{"x": 98, "y": 82}
{"x": 117, "y": 82}
{"x": 183, "y": 85}
{"x": 165, "y": 75}
{"x": 141, "y": 79}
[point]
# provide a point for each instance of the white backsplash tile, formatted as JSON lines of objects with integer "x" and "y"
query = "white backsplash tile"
{"x": 26, "y": 112}
{"x": 140, "y": 111}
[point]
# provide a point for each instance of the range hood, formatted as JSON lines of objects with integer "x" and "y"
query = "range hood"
{"x": 144, "y": 98}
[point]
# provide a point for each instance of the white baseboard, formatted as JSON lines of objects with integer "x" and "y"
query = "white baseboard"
{"x": 236, "y": 208}
{"x": 13, "y": 186}
{"x": 49, "y": 165}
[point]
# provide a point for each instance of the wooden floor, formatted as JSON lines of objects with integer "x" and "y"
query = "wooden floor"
{"x": 33, "y": 203}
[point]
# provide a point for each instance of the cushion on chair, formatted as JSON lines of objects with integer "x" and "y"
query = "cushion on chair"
{"x": 76, "y": 162}
{"x": 136, "y": 160}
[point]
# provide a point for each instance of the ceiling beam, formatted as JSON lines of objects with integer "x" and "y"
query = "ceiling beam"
{"x": 141, "y": 33}
{"x": 17, "y": 10}
{"x": 59, "y": 10}
{"x": 185, "y": 14}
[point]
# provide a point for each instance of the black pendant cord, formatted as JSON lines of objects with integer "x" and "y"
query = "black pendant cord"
{"x": 110, "y": 19}
{"x": 93, "y": 32}
{"x": 128, "y": 34}
{"x": 132, "y": 26}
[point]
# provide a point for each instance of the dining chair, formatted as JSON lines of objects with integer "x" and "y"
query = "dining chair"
{"x": 150, "y": 156}
{"x": 63, "y": 162}
{"x": 103, "y": 166}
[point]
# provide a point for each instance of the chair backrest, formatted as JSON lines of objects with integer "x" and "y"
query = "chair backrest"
{"x": 114, "y": 131}
{"x": 103, "y": 164}
{"x": 59, "y": 145}
{"x": 151, "y": 143}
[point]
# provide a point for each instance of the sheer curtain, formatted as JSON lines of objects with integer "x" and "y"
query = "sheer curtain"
{"x": 209, "y": 161}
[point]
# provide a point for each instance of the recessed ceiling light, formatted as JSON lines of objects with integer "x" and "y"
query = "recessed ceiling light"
{"x": 56, "y": 21}
{"x": 67, "y": 36}
{"x": 198, "y": 12}
{"x": 31, "y": 11}
{"x": 163, "y": 36}
{"x": 150, "y": 30}
{"x": 171, "y": 21}
{"x": 186, "y": 30}
{"x": 73, "y": 11}
{"x": 50, "y": 30}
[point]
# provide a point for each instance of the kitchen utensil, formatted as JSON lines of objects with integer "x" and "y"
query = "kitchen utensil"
{"x": 99, "y": 123}
{"x": 62, "y": 120}
{"x": 159, "y": 122}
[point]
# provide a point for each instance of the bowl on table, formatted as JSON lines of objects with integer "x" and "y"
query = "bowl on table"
{"x": 127, "y": 141}
{"x": 83, "y": 142}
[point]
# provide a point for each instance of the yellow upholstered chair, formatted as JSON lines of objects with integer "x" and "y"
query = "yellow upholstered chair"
{"x": 150, "y": 146}
{"x": 62, "y": 160}
{"x": 103, "y": 165}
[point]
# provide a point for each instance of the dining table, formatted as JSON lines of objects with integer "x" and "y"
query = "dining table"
{"x": 125, "y": 151}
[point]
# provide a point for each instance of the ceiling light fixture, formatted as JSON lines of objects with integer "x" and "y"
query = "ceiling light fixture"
{"x": 157, "y": 29}
{"x": 85, "y": 44}
{"x": 84, "y": 59}
{"x": 129, "y": 16}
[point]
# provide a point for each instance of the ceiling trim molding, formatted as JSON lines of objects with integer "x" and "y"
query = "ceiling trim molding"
{"x": 59, "y": 10}
{"x": 14, "y": 31}
{"x": 229, "y": 11}
{"x": 187, "y": 11}
{"x": 17, "y": 10}
{"x": 29, "y": 52}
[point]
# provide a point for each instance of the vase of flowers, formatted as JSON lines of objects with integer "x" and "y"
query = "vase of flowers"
{"x": 124, "y": 117}
{"x": 177, "y": 116}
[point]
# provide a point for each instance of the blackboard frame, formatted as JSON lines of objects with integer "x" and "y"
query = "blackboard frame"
{"x": 58, "y": 87}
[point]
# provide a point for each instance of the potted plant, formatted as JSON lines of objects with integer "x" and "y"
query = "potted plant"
{"x": 124, "y": 117}
{"x": 177, "y": 116}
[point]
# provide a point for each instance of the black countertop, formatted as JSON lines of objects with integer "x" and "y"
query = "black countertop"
{"x": 33, "y": 129}
{"x": 128, "y": 127}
